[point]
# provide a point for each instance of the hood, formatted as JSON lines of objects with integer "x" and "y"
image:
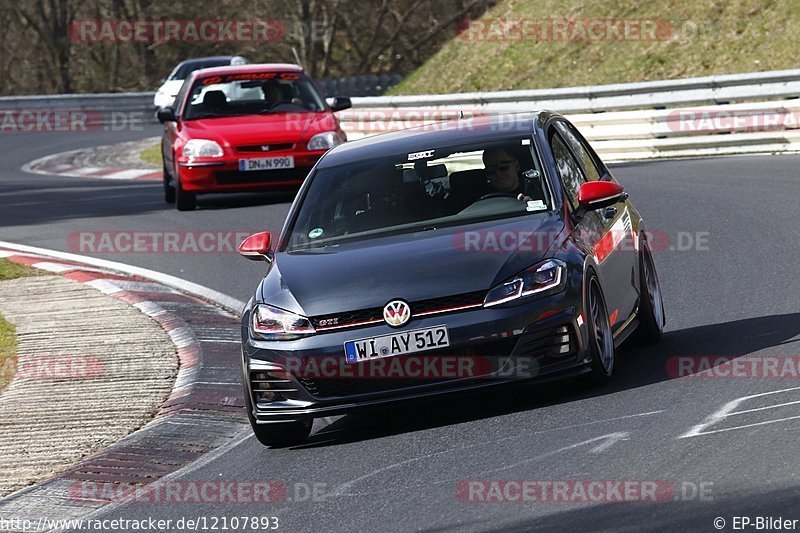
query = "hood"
{"x": 418, "y": 266}
{"x": 262, "y": 129}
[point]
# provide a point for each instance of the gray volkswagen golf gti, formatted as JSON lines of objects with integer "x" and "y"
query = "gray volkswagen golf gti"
{"x": 442, "y": 259}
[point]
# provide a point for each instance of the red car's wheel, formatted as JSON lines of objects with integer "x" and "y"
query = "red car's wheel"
{"x": 184, "y": 201}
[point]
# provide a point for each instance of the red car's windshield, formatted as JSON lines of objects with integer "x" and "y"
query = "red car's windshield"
{"x": 252, "y": 93}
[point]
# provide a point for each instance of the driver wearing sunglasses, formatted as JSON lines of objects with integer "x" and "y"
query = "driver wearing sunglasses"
{"x": 502, "y": 171}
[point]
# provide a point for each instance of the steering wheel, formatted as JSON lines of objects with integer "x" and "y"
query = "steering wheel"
{"x": 286, "y": 106}
{"x": 497, "y": 195}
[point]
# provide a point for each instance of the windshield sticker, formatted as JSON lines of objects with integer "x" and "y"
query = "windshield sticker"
{"x": 314, "y": 233}
{"x": 420, "y": 155}
{"x": 536, "y": 205}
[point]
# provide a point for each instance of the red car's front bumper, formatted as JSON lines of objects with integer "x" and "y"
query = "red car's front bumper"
{"x": 224, "y": 175}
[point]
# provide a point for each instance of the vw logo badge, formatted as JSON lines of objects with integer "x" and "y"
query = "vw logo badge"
{"x": 396, "y": 313}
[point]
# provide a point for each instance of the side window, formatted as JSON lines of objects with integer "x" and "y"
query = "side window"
{"x": 578, "y": 148}
{"x": 568, "y": 169}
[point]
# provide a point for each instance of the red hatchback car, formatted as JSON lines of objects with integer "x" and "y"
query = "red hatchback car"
{"x": 245, "y": 128}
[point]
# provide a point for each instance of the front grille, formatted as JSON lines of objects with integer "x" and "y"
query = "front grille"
{"x": 261, "y": 176}
{"x": 259, "y": 148}
{"x": 269, "y": 386}
{"x": 422, "y": 307}
{"x": 487, "y": 358}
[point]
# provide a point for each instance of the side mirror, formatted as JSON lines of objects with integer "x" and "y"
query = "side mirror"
{"x": 599, "y": 194}
{"x": 341, "y": 102}
{"x": 256, "y": 246}
{"x": 162, "y": 80}
{"x": 166, "y": 114}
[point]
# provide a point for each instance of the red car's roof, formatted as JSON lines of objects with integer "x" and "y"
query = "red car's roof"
{"x": 245, "y": 69}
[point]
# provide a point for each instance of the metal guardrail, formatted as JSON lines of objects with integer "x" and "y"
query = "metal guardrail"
{"x": 747, "y": 112}
{"x": 591, "y": 99}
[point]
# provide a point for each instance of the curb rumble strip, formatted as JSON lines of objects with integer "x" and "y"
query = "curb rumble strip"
{"x": 207, "y": 392}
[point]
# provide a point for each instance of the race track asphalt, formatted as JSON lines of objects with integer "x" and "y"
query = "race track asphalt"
{"x": 733, "y": 291}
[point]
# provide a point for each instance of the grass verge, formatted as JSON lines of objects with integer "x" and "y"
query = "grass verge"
{"x": 8, "y": 352}
{"x": 8, "y": 340}
{"x": 11, "y": 270}
{"x": 552, "y": 46}
{"x": 152, "y": 154}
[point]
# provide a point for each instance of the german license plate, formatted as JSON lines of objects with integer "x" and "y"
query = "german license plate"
{"x": 357, "y": 351}
{"x": 266, "y": 163}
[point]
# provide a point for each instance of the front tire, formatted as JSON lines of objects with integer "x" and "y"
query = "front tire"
{"x": 169, "y": 189}
{"x": 278, "y": 434}
{"x": 184, "y": 201}
{"x": 601, "y": 340}
{"x": 651, "y": 306}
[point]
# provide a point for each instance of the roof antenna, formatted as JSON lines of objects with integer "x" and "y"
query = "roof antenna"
{"x": 297, "y": 57}
{"x": 461, "y": 114}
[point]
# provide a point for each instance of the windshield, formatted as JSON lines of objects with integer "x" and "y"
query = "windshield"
{"x": 419, "y": 191}
{"x": 252, "y": 93}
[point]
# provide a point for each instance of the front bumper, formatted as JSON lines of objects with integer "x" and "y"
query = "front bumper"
{"x": 223, "y": 175}
{"x": 540, "y": 340}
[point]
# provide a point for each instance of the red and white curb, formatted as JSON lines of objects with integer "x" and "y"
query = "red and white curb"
{"x": 207, "y": 392}
{"x": 60, "y": 165}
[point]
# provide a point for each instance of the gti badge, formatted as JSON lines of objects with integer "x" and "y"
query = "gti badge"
{"x": 396, "y": 313}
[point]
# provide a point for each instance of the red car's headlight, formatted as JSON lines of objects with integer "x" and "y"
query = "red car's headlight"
{"x": 195, "y": 148}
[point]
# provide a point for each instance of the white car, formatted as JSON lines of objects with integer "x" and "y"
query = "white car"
{"x": 165, "y": 95}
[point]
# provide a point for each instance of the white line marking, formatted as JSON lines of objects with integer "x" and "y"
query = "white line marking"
{"x": 755, "y": 409}
{"x": 223, "y": 300}
{"x": 127, "y": 174}
{"x": 86, "y": 170}
{"x": 727, "y": 410}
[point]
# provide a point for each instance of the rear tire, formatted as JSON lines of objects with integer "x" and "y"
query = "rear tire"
{"x": 169, "y": 189}
{"x": 184, "y": 201}
{"x": 651, "y": 306}
{"x": 601, "y": 340}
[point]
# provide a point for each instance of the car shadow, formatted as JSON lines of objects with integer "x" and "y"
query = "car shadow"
{"x": 234, "y": 200}
{"x": 638, "y": 366}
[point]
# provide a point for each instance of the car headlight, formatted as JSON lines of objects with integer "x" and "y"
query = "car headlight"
{"x": 272, "y": 323}
{"x": 326, "y": 140}
{"x": 542, "y": 279}
{"x": 201, "y": 148}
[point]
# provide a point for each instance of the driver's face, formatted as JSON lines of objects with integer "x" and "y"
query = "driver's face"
{"x": 503, "y": 171}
